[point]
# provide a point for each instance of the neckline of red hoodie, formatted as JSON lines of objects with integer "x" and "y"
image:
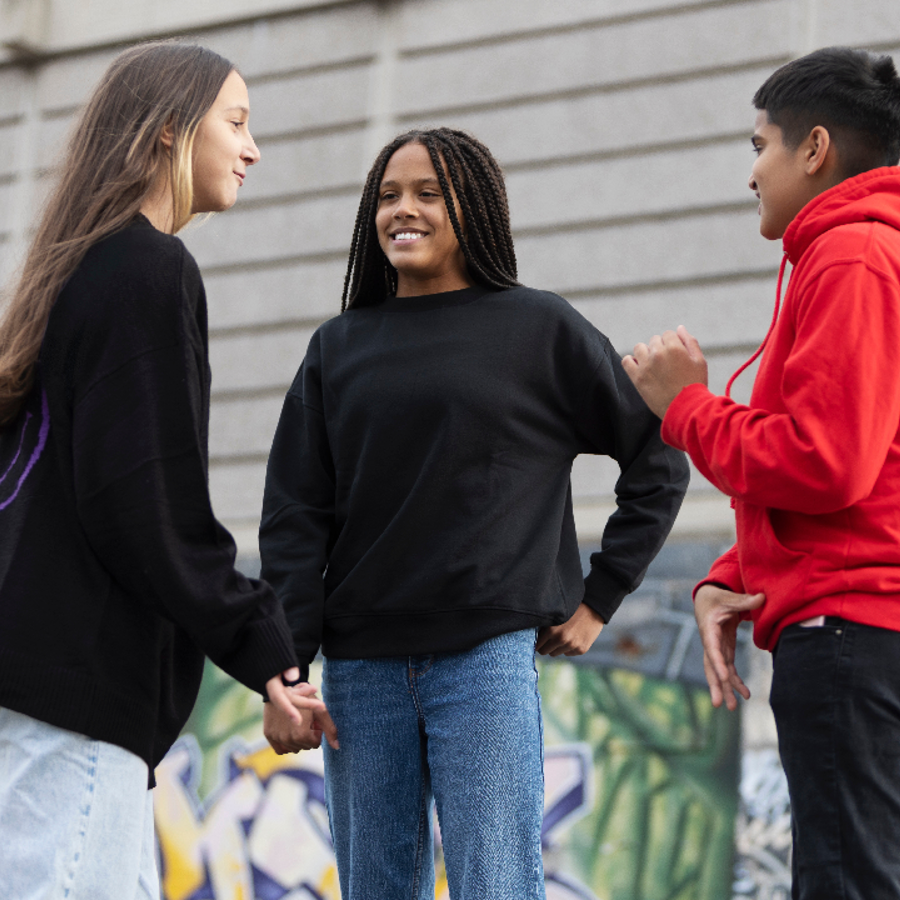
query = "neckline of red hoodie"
{"x": 813, "y": 462}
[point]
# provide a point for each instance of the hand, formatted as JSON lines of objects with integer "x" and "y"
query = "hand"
{"x": 294, "y": 719}
{"x": 572, "y": 638}
{"x": 660, "y": 369}
{"x": 718, "y": 614}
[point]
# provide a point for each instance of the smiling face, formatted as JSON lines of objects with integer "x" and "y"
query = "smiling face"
{"x": 780, "y": 178}
{"x": 414, "y": 228}
{"x": 223, "y": 148}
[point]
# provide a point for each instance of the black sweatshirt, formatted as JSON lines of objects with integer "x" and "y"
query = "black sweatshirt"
{"x": 115, "y": 577}
{"x": 422, "y": 466}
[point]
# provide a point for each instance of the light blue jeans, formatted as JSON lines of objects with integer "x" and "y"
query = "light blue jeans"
{"x": 459, "y": 730}
{"x": 76, "y": 818}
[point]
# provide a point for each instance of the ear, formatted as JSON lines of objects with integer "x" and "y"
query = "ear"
{"x": 167, "y": 136}
{"x": 818, "y": 151}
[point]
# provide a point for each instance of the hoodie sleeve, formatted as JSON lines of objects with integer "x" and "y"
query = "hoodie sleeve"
{"x": 140, "y": 466}
{"x": 832, "y": 415}
{"x": 726, "y": 572}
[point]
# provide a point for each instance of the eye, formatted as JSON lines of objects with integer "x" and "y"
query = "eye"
{"x": 387, "y": 195}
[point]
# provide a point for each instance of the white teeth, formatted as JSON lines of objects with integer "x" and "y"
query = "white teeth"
{"x": 407, "y": 236}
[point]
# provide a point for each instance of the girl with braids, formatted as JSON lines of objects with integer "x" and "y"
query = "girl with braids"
{"x": 418, "y": 525}
{"x": 115, "y": 577}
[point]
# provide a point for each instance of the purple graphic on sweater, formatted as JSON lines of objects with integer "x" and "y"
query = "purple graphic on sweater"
{"x": 35, "y": 454}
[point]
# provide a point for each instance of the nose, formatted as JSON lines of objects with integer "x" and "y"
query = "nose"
{"x": 752, "y": 183}
{"x": 405, "y": 207}
{"x": 250, "y": 154}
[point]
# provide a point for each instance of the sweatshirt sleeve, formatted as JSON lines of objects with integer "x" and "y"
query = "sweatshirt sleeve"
{"x": 825, "y": 449}
{"x": 649, "y": 491}
{"x": 298, "y": 519}
{"x": 139, "y": 424}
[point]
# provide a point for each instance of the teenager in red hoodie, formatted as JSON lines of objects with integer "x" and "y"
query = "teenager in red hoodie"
{"x": 813, "y": 467}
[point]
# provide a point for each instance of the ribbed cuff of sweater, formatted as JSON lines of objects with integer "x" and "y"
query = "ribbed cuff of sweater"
{"x": 603, "y": 593}
{"x": 265, "y": 651}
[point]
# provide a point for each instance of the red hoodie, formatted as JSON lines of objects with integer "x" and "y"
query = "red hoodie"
{"x": 813, "y": 463}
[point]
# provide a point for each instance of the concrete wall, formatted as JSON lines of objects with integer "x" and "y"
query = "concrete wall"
{"x": 622, "y": 126}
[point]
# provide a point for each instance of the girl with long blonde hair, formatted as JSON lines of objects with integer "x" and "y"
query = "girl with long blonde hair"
{"x": 115, "y": 577}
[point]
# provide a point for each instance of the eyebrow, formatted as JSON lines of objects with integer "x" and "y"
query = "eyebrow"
{"x": 241, "y": 109}
{"x": 431, "y": 179}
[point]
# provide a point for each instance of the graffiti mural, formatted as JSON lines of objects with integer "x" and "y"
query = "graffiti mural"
{"x": 641, "y": 794}
{"x": 763, "y": 829}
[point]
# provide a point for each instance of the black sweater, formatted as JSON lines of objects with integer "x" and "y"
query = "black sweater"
{"x": 115, "y": 577}
{"x": 422, "y": 466}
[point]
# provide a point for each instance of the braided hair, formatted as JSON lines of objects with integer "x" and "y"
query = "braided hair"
{"x": 477, "y": 181}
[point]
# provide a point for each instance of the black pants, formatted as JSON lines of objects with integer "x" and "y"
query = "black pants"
{"x": 836, "y": 700}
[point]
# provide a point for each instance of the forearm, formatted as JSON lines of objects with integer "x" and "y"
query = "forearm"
{"x": 649, "y": 493}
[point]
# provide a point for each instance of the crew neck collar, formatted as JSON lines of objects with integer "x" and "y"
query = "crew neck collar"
{"x": 434, "y": 301}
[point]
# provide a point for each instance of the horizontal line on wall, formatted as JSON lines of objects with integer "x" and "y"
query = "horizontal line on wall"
{"x": 234, "y": 395}
{"x": 627, "y": 152}
{"x": 589, "y": 90}
{"x": 746, "y": 348}
{"x": 277, "y": 262}
{"x": 600, "y": 224}
{"x": 598, "y": 22}
{"x": 51, "y": 114}
{"x": 267, "y": 327}
{"x": 315, "y": 131}
{"x": 40, "y": 55}
{"x": 345, "y": 64}
{"x": 725, "y": 278}
{"x": 285, "y": 199}
{"x": 238, "y": 459}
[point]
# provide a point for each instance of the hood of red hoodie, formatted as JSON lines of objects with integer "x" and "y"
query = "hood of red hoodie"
{"x": 873, "y": 196}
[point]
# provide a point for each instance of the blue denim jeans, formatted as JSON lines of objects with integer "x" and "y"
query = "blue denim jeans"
{"x": 461, "y": 731}
{"x": 76, "y": 818}
{"x": 836, "y": 700}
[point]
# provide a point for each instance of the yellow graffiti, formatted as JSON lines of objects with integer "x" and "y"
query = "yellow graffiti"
{"x": 267, "y": 820}
{"x": 186, "y": 843}
{"x": 265, "y": 762}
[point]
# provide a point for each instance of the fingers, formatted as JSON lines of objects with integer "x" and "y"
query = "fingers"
{"x": 295, "y": 719}
{"x": 735, "y": 603}
{"x": 326, "y": 726}
{"x": 305, "y": 689}
{"x": 716, "y": 694}
{"x": 556, "y": 642}
{"x": 278, "y": 696}
{"x": 690, "y": 343}
{"x": 547, "y": 640}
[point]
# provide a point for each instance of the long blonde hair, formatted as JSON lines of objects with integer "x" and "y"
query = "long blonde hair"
{"x": 115, "y": 157}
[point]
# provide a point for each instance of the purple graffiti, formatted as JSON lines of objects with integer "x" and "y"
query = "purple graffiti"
{"x": 36, "y": 453}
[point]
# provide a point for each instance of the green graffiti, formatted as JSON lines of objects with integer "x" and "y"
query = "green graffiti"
{"x": 641, "y": 783}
